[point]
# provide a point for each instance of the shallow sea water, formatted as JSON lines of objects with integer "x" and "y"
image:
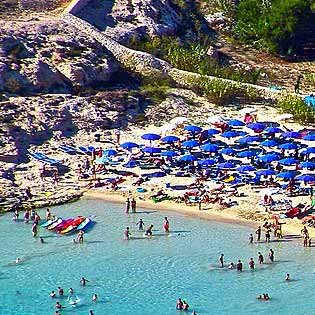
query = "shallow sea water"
{"x": 146, "y": 276}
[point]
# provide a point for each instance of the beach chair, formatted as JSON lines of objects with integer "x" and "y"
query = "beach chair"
{"x": 68, "y": 149}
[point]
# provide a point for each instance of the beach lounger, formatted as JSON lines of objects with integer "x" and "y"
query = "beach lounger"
{"x": 83, "y": 150}
{"x": 44, "y": 158}
{"x": 68, "y": 149}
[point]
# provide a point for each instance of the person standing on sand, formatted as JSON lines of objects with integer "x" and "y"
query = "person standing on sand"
{"x": 127, "y": 207}
{"x": 133, "y": 205}
{"x": 221, "y": 260}
{"x": 267, "y": 235}
{"x": 258, "y": 233}
{"x": 297, "y": 85}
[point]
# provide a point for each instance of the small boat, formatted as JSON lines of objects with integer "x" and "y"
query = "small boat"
{"x": 49, "y": 222}
{"x": 55, "y": 224}
{"x": 72, "y": 227}
{"x": 63, "y": 225}
{"x": 85, "y": 224}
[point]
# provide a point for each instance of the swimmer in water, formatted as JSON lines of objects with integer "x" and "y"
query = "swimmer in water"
{"x": 41, "y": 240}
{"x": 141, "y": 224}
{"x": 127, "y": 233}
{"x": 60, "y": 291}
{"x": 70, "y": 292}
{"x": 94, "y": 297}
{"x": 91, "y": 312}
{"x": 83, "y": 281}
{"x": 166, "y": 225}
{"x": 287, "y": 277}
{"x": 231, "y": 266}
{"x": 148, "y": 232}
{"x": 193, "y": 313}
{"x": 34, "y": 229}
{"x": 18, "y": 260}
{"x": 179, "y": 304}
{"x": 52, "y": 294}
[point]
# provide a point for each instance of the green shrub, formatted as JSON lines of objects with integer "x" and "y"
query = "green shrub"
{"x": 297, "y": 107}
{"x": 273, "y": 25}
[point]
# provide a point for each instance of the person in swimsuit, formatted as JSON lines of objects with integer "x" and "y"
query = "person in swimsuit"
{"x": 258, "y": 233}
{"x": 80, "y": 236}
{"x": 52, "y": 294}
{"x": 60, "y": 291}
{"x": 127, "y": 233}
{"x": 251, "y": 238}
{"x": 271, "y": 255}
{"x": 148, "y": 232}
{"x": 239, "y": 266}
{"x": 133, "y": 205}
{"x": 83, "y": 281}
{"x": 41, "y": 240}
{"x": 221, "y": 259}
{"x": 48, "y": 214}
{"x": 185, "y": 306}
{"x": 179, "y": 304}
{"x": 59, "y": 306}
{"x": 91, "y": 312}
{"x": 127, "y": 207}
{"x": 251, "y": 264}
{"x": 287, "y": 277}
{"x": 26, "y": 216}
{"x": 141, "y": 224}
{"x": 166, "y": 225}
{"x": 94, "y": 297}
{"x": 34, "y": 229}
{"x": 231, "y": 266}
{"x": 260, "y": 258}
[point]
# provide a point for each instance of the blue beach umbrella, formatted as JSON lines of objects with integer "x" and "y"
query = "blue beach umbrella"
{"x": 190, "y": 143}
{"x": 273, "y": 130}
{"x": 268, "y": 158}
{"x": 170, "y": 139}
{"x": 288, "y": 161}
{"x": 193, "y": 128}
{"x": 249, "y": 139}
{"x": 309, "y": 137}
{"x": 129, "y": 145}
{"x": 266, "y": 172}
{"x": 287, "y": 175}
{"x": 309, "y": 165}
{"x": 306, "y": 178}
{"x": 209, "y": 147}
{"x": 246, "y": 168}
{"x": 207, "y": 162}
{"x": 227, "y": 151}
{"x": 151, "y": 150}
{"x": 256, "y": 126}
{"x": 248, "y": 153}
{"x": 288, "y": 146}
{"x": 309, "y": 150}
{"x": 226, "y": 165}
{"x": 151, "y": 136}
{"x": 235, "y": 123}
{"x": 188, "y": 158}
{"x": 230, "y": 134}
{"x": 269, "y": 143}
{"x": 158, "y": 174}
{"x": 109, "y": 152}
{"x": 212, "y": 132}
{"x": 131, "y": 164}
{"x": 291, "y": 134}
{"x": 169, "y": 153}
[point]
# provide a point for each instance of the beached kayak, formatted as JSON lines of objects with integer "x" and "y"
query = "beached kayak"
{"x": 85, "y": 224}
{"x": 49, "y": 222}
{"x": 55, "y": 224}
{"x": 72, "y": 226}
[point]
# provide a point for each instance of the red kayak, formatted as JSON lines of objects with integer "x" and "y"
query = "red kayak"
{"x": 64, "y": 224}
{"x": 69, "y": 223}
{"x": 76, "y": 222}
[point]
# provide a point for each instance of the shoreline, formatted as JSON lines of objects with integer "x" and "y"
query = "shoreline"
{"x": 289, "y": 228}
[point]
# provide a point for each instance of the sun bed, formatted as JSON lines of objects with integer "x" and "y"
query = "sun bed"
{"x": 68, "y": 149}
{"x": 44, "y": 158}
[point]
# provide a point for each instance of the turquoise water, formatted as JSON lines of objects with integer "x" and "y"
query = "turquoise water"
{"x": 146, "y": 276}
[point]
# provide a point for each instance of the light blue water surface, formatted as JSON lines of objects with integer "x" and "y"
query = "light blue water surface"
{"x": 146, "y": 276}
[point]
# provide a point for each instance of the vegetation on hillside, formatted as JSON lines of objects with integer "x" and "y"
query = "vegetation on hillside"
{"x": 275, "y": 26}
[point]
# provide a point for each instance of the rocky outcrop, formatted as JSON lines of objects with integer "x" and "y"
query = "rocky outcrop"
{"x": 126, "y": 19}
{"x": 50, "y": 57}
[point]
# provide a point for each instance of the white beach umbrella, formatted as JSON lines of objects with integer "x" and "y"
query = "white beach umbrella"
{"x": 248, "y": 110}
{"x": 283, "y": 117}
{"x": 178, "y": 120}
{"x": 215, "y": 119}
